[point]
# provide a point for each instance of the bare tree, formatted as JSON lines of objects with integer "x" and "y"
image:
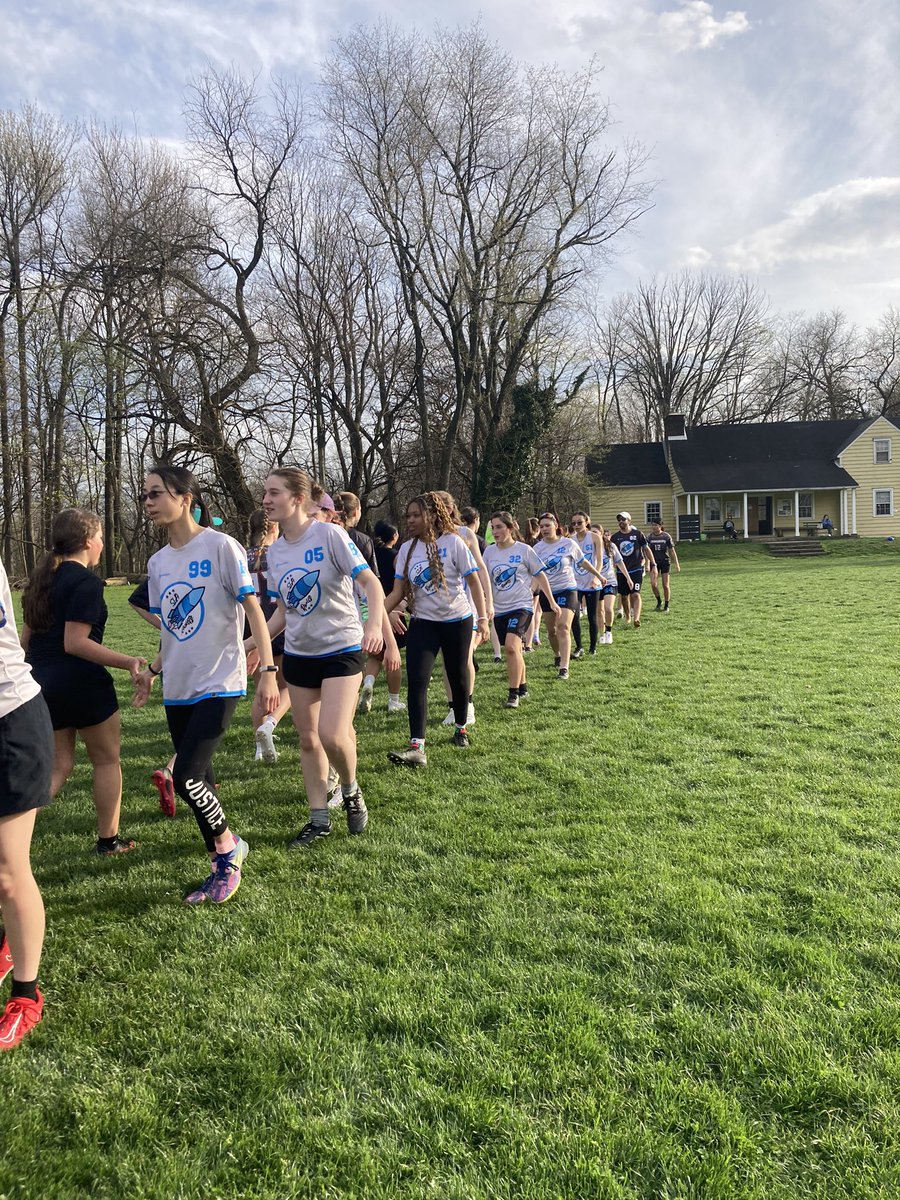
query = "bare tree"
{"x": 882, "y": 363}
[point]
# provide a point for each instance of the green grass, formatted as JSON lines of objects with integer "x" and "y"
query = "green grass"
{"x": 642, "y": 941}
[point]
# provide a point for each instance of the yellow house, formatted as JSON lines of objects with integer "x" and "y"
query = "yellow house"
{"x": 777, "y": 479}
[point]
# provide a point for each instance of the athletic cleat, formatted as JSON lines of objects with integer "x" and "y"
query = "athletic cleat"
{"x": 593, "y": 652}
{"x": 460, "y": 739}
{"x": 265, "y": 743}
{"x": 365, "y": 699}
{"x": 413, "y": 757}
{"x": 578, "y": 653}
{"x": 309, "y": 835}
{"x": 562, "y": 673}
{"x": 201, "y": 894}
{"x": 226, "y": 877}
{"x": 606, "y": 639}
{"x": 395, "y": 706}
{"x": 19, "y": 1018}
{"x": 523, "y": 690}
{"x": 166, "y": 788}
{"x": 241, "y": 850}
{"x": 119, "y": 846}
{"x": 450, "y": 719}
{"x": 6, "y": 962}
{"x": 357, "y": 813}
{"x": 512, "y": 701}
{"x": 470, "y": 715}
{"x": 333, "y": 796}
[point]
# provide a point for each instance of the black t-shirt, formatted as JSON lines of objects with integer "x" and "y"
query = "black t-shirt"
{"x": 140, "y": 597}
{"x": 385, "y": 556}
{"x": 630, "y": 546}
{"x": 660, "y": 544}
{"x": 76, "y": 594}
{"x": 365, "y": 546}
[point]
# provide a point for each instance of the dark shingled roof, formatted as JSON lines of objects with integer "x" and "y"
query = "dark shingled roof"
{"x": 628, "y": 464}
{"x": 779, "y": 456}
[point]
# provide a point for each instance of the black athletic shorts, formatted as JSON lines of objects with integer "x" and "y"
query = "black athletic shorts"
{"x": 637, "y": 576}
{"x": 608, "y": 589}
{"x": 26, "y": 758}
{"x": 78, "y": 693}
{"x": 310, "y": 672}
{"x": 518, "y": 621}
{"x": 663, "y": 567}
{"x": 567, "y": 599}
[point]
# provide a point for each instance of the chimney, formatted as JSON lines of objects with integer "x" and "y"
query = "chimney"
{"x": 676, "y": 431}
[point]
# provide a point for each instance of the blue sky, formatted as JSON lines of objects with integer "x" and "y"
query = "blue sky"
{"x": 774, "y": 128}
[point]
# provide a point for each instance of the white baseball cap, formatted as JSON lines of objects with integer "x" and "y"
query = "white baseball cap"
{"x": 623, "y": 516}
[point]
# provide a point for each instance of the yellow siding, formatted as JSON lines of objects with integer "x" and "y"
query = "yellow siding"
{"x": 859, "y": 460}
{"x": 606, "y": 502}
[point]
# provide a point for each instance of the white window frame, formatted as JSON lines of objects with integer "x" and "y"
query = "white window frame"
{"x": 876, "y": 492}
{"x": 707, "y": 502}
{"x": 881, "y": 461}
{"x": 811, "y": 514}
{"x": 648, "y": 504}
{"x": 734, "y": 510}
{"x": 784, "y": 506}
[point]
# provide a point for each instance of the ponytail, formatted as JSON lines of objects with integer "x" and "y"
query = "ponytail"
{"x": 71, "y": 530}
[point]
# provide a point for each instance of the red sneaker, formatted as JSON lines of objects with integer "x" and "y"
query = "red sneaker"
{"x": 6, "y": 962}
{"x": 166, "y": 789}
{"x": 19, "y": 1018}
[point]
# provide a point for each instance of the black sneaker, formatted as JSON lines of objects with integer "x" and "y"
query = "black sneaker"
{"x": 116, "y": 845}
{"x": 562, "y": 673}
{"x": 460, "y": 739}
{"x": 659, "y": 605}
{"x": 357, "y": 813}
{"x": 665, "y": 608}
{"x": 309, "y": 835}
{"x": 593, "y": 652}
{"x": 512, "y": 700}
{"x": 523, "y": 690}
{"x": 557, "y": 661}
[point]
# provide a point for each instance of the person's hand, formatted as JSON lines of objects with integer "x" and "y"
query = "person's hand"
{"x": 392, "y": 660}
{"x": 554, "y": 608}
{"x": 143, "y": 686}
{"x": 135, "y": 667}
{"x": 253, "y": 661}
{"x": 482, "y": 631}
{"x": 266, "y": 697}
{"x": 373, "y": 641}
{"x": 397, "y": 623}
{"x": 678, "y": 568}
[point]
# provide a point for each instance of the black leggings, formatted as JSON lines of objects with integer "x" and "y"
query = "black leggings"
{"x": 590, "y": 603}
{"x": 196, "y": 731}
{"x": 424, "y": 640}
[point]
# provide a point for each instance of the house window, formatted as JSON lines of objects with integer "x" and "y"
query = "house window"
{"x": 734, "y": 510}
{"x": 652, "y": 511}
{"x": 712, "y": 510}
{"x": 882, "y": 448}
{"x": 883, "y": 502}
{"x": 805, "y": 508}
{"x": 785, "y": 507}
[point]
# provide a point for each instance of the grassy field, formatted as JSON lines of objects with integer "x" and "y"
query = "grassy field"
{"x": 642, "y": 941}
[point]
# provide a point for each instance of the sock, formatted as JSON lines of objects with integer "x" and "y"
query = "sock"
{"x": 369, "y": 682}
{"x": 107, "y": 843}
{"x": 472, "y": 698}
{"x": 513, "y": 692}
{"x": 351, "y": 789}
{"x": 475, "y": 665}
{"x": 26, "y": 989}
{"x": 523, "y": 689}
{"x": 460, "y": 728}
{"x": 393, "y": 695}
{"x": 608, "y": 628}
{"x": 417, "y": 743}
{"x": 319, "y": 817}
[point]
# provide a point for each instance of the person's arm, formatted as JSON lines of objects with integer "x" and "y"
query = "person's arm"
{"x": 266, "y": 697}
{"x": 373, "y": 637}
{"x": 619, "y": 562}
{"x": 544, "y": 585}
{"x": 674, "y": 556}
{"x": 77, "y": 642}
{"x": 149, "y": 617}
{"x": 474, "y": 581}
{"x": 395, "y": 596}
{"x": 483, "y": 578}
{"x": 391, "y": 650}
{"x": 24, "y": 638}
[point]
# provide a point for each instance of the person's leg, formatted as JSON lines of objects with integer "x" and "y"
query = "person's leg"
{"x": 103, "y": 744}
{"x": 422, "y": 644}
{"x": 20, "y": 900}
{"x": 306, "y": 706}
{"x": 564, "y": 637}
{"x": 196, "y": 732}
{"x": 265, "y": 733}
{"x": 63, "y": 758}
{"x": 654, "y": 583}
{"x": 495, "y": 643}
{"x": 373, "y": 666}
{"x": 576, "y": 625}
{"x": 336, "y": 732}
{"x": 456, "y": 644}
{"x": 667, "y": 590}
{"x": 591, "y": 600}
{"x": 609, "y": 614}
{"x": 550, "y": 620}
{"x": 536, "y": 627}
{"x": 635, "y": 601}
{"x": 515, "y": 661}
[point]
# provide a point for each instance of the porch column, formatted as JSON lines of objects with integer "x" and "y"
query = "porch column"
{"x": 844, "y": 511}
{"x": 675, "y": 511}
{"x": 746, "y": 518}
{"x": 853, "y": 510}
{"x": 796, "y": 514}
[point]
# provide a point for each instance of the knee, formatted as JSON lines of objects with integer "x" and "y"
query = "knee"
{"x": 309, "y": 740}
{"x": 11, "y": 883}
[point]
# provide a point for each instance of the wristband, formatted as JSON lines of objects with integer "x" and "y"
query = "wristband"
{"x": 262, "y": 669}
{"x": 152, "y": 672}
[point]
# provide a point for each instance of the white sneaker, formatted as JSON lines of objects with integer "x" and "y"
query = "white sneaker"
{"x": 365, "y": 700}
{"x": 395, "y": 705}
{"x": 335, "y": 797}
{"x": 265, "y": 743}
{"x": 470, "y": 716}
{"x": 450, "y": 719}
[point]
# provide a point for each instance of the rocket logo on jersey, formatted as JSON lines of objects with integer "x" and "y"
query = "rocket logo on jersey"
{"x": 553, "y": 564}
{"x": 182, "y": 611}
{"x": 504, "y": 577}
{"x": 420, "y": 577}
{"x": 300, "y": 590}
{"x": 626, "y": 548}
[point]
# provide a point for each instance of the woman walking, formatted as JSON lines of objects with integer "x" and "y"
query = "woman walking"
{"x": 432, "y": 572}
{"x": 560, "y": 555}
{"x": 200, "y": 587}
{"x": 385, "y": 541}
{"x": 664, "y": 555}
{"x": 611, "y": 564}
{"x": 262, "y": 533}
{"x": 590, "y": 543}
{"x": 64, "y": 620}
{"x": 26, "y": 758}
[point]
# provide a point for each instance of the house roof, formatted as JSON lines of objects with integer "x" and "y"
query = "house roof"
{"x": 629, "y": 464}
{"x": 775, "y": 456}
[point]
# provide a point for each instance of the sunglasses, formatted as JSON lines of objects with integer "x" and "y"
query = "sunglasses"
{"x": 145, "y": 496}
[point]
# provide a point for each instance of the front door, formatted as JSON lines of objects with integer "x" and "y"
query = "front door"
{"x": 752, "y": 515}
{"x": 765, "y": 515}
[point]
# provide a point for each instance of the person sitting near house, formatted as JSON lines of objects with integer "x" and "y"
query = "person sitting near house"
{"x": 730, "y": 531}
{"x": 828, "y": 525}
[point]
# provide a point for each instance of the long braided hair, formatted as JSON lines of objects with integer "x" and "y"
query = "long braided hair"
{"x": 437, "y": 519}
{"x": 259, "y": 531}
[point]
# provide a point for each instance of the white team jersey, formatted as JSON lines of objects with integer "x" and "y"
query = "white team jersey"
{"x": 17, "y": 684}
{"x": 197, "y": 590}
{"x": 313, "y": 578}
{"x": 559, "y": 559}
{"x": 586, "y": 581}
{"x": 430, "y": 601}
{"x": 608, "y": 565}
{"x": 511, "y": 571}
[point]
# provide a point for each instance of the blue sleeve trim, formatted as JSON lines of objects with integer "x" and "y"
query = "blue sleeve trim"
{"x": 534, "y": 575}
{"x": 247, "y": 590}
{"x": 363, "y": 566}
{"x": 466, "y": 574}
{"x": 158, "y": 611}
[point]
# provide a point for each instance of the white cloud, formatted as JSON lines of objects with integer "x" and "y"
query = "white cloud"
{"x": 847, "y": 221}
{"x": 694, "y": 27}
{"x": 697, "y": 256}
